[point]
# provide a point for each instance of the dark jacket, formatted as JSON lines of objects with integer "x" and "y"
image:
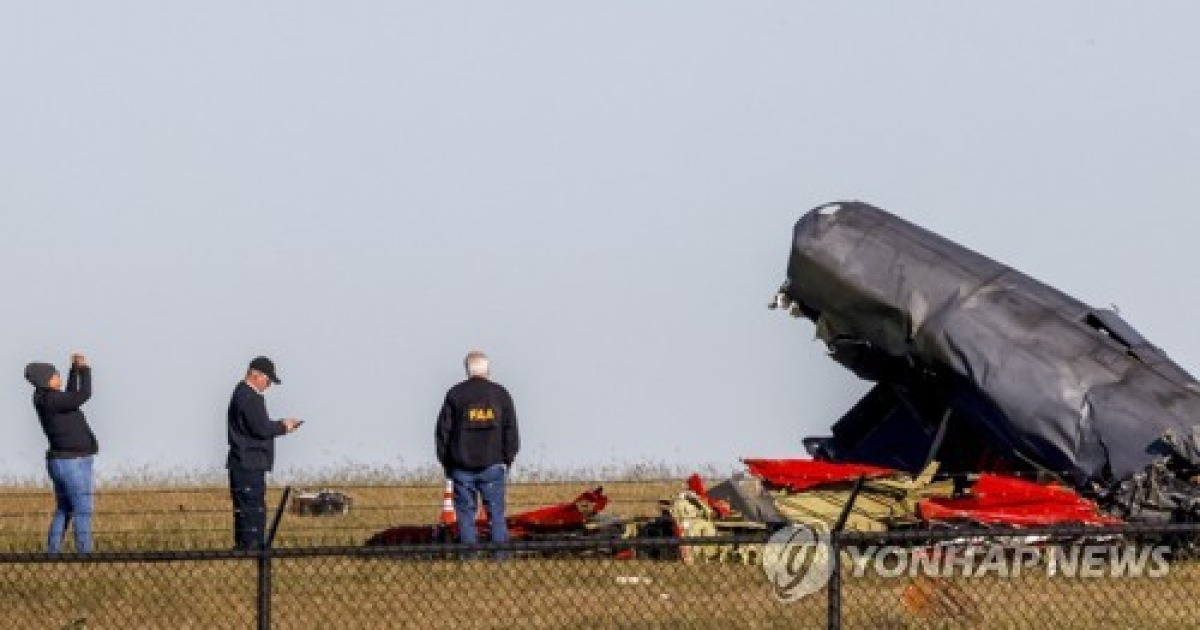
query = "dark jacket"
{"x": 62, "y": 419}
{"x": 251, "y": 433}
{"x": 477, "y": 426}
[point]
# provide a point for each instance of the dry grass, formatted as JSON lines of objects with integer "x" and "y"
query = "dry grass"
{"x": 372, "y": 592}
{"x": 200, "y": 517}
{"x": 353, "y": 592}
{"x": 343, "y": 592}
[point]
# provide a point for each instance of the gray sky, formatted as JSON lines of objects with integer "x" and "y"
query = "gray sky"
{"x": 599, "y": 194}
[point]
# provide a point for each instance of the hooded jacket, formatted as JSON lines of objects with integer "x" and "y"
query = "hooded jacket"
{"x": 63, "y": 421}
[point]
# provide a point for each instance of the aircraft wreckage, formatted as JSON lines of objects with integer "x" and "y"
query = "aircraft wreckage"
{"x": 984, "y": 369}
{"x": 999, "y": 402}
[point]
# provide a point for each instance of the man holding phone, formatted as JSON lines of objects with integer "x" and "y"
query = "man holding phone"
{"x": 252, "y": 436}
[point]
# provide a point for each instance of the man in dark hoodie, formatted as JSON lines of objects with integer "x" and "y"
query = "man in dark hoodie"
{"x": 72, "y": 447}
{"x": 252, "y": 452}
{"x": 477, "y": 440}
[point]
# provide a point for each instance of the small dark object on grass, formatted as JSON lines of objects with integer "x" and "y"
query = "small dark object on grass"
{"x": 323, "y": 503}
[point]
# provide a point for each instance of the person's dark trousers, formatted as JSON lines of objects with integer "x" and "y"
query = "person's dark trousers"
{"x": 248, "y": 488}
{"x": 488, "y": 484}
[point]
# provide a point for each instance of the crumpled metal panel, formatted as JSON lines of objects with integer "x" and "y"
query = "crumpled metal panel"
{"x": 964, "y": 346}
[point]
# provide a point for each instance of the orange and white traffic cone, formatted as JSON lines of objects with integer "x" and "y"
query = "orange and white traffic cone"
{"x": 447, "y": 518}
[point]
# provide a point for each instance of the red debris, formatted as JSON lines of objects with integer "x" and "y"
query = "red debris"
{"x": 558, "y": 518}
{"x": 799, "y": 475}
{"x": 696, "y": 485}
{"x": 991, "y": 500}
{"x": 1002, "y": 500}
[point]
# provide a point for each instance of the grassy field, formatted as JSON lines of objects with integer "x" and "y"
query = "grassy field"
{"x": 353, "y": 592}
{"x": 200, "y": 517}
{"x": 349, "y": 591}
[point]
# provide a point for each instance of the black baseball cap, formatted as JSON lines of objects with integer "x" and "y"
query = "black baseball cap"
{"x": 264, "y": 365}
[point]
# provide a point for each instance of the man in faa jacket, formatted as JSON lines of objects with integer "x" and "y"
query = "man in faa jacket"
{"x": 252, "y": 452}
{"x": 476, "y": 443}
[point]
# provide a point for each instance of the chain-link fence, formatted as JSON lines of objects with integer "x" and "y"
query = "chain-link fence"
{"x": 995, "y": 581}
{"x": 1128, "y": 576}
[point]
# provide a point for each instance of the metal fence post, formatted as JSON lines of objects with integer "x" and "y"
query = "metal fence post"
{"x": 834, "y": 612}
{"x": 287, "y": 491}
{"x": 264, "y": 588}
{"x": 264, "y": 565}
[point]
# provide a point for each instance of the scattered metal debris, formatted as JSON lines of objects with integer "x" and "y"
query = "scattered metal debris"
{"x": 321, "y": 503}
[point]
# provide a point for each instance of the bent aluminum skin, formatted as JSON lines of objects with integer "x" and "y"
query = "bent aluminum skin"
{"x": 978, "y": 365}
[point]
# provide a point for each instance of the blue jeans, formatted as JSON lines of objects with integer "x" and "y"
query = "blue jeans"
{"x": 248, "y": 489}
{"x": 489, "y": 484}
{"x": 72, "y": 480}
